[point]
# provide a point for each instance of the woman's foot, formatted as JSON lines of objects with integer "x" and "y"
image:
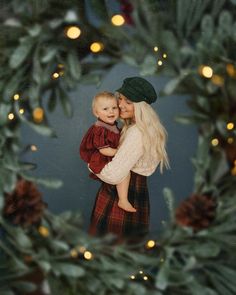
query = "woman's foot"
{"x": 125, "y": 205}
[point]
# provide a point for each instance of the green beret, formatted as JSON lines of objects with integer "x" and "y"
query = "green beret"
{"x": 138, "y": 89}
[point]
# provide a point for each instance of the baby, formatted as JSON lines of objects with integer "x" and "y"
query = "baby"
{"x": 100, "y": 143}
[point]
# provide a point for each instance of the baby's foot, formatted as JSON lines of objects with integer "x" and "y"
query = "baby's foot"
{"x": 125, "y": 205}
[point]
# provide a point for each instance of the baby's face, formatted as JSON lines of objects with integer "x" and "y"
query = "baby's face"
{"x": 107, "y": 110}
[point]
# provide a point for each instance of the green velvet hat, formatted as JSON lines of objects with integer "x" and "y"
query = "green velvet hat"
{"x": 138, "y": 89}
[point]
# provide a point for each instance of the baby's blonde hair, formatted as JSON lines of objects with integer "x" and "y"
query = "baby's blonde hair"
{"x": 101, "y": 95}
{"x": 153, "y": 133}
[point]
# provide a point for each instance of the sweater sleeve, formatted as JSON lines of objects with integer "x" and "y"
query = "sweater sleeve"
{"x": 126, "y": 157}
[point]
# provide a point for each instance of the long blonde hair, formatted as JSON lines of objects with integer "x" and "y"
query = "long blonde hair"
{"x": 153, "y": 133}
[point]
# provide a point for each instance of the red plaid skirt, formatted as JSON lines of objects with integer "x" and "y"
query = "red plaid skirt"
{"x": 107, "y": 217}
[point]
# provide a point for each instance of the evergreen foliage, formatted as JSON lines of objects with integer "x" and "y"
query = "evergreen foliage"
{"x": 199, "y": 40}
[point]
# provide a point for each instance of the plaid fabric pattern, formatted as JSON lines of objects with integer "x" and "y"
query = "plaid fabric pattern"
{"x": 107, "y": 217}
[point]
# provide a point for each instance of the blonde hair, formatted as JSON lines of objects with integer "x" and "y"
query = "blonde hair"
{"x": 101, "y": 95}
{"x": 153, "y": 133}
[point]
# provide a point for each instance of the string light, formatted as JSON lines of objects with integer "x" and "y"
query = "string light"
{"x": 38, "y": 115}
{"x": 155, "y": 48}
{"x": 88, "y": 255}
{"x": 159, "y": 62}
{"x": 150, "y": 244}
{"x": 230, "y": 69}
{"x": 164, "y": 55}
{"x": 233, "y": 170}
{"x": 81, "y": 249}
{"x": 141, "y": 272}
{"x": 43, "y": 231}
{"x": 73, "y": 32}
{"x": 74, "y": 253}
{"x": 230, "y": 126}
{"x": 145, "y": 278}
{"x": 117, "y": 20}
{"x": 230, "y": 140}
{"x": 96, "y": 47}
{"x": 215, "y": 142}
{"x": 55, "y": 75}
{"x": 206, "y": 71}
{"x": 33, "y": 148}
{"x": 11, "y": 116}
{"x": 16, "y": 96}
{"x": 132, "y": 277}
{"x": 217, "y": 80}
{"x": 21, "y": 111}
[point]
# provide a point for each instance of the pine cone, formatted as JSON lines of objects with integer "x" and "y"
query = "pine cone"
{"x": 24, "y": 206}
{"x": 197, "y": 212}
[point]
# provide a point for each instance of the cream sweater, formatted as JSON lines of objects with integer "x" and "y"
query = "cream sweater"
{"x": 129, "y": 157}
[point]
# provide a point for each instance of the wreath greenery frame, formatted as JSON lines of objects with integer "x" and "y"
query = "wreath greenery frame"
{"x": 195, "y": 40}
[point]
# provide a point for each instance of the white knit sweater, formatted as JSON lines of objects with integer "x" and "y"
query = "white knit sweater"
{"x": 129, "y": 157}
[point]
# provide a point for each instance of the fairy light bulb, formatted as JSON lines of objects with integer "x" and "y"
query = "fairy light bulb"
{"x": 150, "y": 244}
{"x": 215, "y": 142}
{"x": 206, "y": 71}
{"x": 21, "y": 111}
{"x": 96, "y": 47}
{"x": 11, "y": 116}
{"x": 164, "y": 55}
{"x": 230, "y": 140}
{"x": 217, "y": 80}
{"x": 16, "y": 96}
{"x": 117, "y": 20}
{"x": 74, "y": 253}
{"x": 38, "y": 115}
{"x": 88, "y": 255}
{"x": 230, "y": 126}
{"x": 55, "y": 75}
{"x": 159, "y": 62}
{"x": 43, "y": 231}
{"x": 73, "y": 32}
{"x": 33, "y": 148}
{"x": 145, "y": 278}
{"x": 132, "y": 277}
{"x": 155, "y": 48}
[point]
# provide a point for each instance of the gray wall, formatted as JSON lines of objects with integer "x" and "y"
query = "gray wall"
{"x": 59, "y": 158}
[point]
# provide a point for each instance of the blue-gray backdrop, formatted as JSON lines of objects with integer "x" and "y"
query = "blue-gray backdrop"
{"x": 59, "y": 158}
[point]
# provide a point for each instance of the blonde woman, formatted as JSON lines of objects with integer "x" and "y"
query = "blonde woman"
{"x": 141, "y": 150}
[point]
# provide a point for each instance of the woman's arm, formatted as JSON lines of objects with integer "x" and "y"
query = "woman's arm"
{"x": 126, "y": 157}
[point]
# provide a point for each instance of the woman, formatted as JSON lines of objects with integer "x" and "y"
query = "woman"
{"x": 141, "y": 150}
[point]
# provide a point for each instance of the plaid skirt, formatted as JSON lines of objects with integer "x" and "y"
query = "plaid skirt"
{"x": 107, "y": 217}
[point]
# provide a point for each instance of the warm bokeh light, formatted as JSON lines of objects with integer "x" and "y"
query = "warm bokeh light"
{"x": 33, "y": 148}
{"x": 55, "y": 75}
{"x": 38, "y": 115}
{"x": 117, "y": 20}
{"x": 215, "y": 142}
{"x": 81, "y": 249}
{"x": 230, "y": 69}
{"x": 206, "y": 71}
{"x": 132, "y": 277}
{"x": 164, "y": 55}
{"x": 230, "y": 126}
{"x": 73, "y": 32}
{"x": 159, "y": 62}
{"x": 74, "y": 253}
{"x": 11, "y": 116}
{"x": 145, "y": 278}
{"x": 155, "y": 48}
{"x": 96, "y": 47}
{"x": 217, "y": 80}
{"x": 230, "y": 140}
{"x": 150, "y": 244}
{"x": 16, "y": 96}
{"x": 21, "y": 111}
{"x": 88, "y": 255}
{"x": 43, "y": 231}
